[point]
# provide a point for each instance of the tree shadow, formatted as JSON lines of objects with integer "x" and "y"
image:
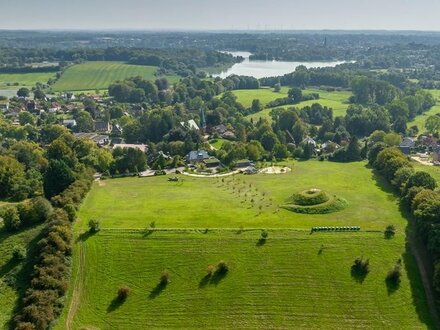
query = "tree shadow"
{"x": 85, "y": 236}
{"x": 392, "y": 286}
{"x": 388, "y": 235}
{"x": 205, "y": 280}
{"x": 157, "y": 290}
{"x": 358, "y": 275}
{"x": 217, "y": 277}
{"x": 147, "y": 232}
{"x": 8, "y": 267}
{"x": 261, "y": 242}
{"x": 115, "y": 304}
{"x": 321, "y": 249}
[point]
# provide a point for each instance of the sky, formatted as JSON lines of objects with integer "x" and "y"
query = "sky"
{"x": 221, "y": 14}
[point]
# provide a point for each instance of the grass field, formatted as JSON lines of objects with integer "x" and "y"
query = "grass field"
{"x": 7, "y": 80}
{"x": 419, "y": 121}
{"x": 10, "y": 269}
{"x": 99, "y": 75}
{"x": 338, "y": 100}
{"x": 294, "y": 280}
{"x": 433, "y": 170}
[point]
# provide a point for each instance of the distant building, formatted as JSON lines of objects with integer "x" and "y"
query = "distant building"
{"x": 103, "y": 126}
{"x": 243, "y": 163}
{"x": 436, "y": 154}
{"x": 191, "y": 124}
{"x": 219, "y": 129}
{"x": 196, "y": 156}
{"x": 309, "y": 140}
{"x": 407, "y": 145}
{"x": 69, "y": 123}
{"x": 117, "y": 130}
{"x": 211, "y": 162}
{"x": 141, "y": 147}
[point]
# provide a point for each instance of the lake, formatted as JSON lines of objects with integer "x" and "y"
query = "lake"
{"x": 261, "y": 69}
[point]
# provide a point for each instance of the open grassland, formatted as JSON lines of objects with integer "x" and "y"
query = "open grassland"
{"x": 100, "y": 74}
{"x": 419, "y": 121}
{"x": 12, "y": 273}
{"x": 7, "y": 80}
{"x": 200, "y": 202}
{"x": 294, "y": 279}
{"x": 265, "y": 95}
{"x": 337, "y": 100}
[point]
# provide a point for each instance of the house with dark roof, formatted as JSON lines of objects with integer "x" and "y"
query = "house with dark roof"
{"x": 436, "y": 154}
{"x": 196, "y": 156}
{"x": 103, "y": 126}
{"x": 211, "y": 162}
{"x": 407, "y": 145}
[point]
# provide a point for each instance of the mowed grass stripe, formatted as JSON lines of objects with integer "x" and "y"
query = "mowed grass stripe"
{"x": 100, "y": 74}
{"x": 286, "y": 283}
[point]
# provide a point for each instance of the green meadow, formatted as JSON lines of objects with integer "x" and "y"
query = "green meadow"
{"x": 337, "y": 100}
{"x": 294, "y": 279}
{"x": 17, "y": 80}
{"x": 100, "y": 74}
{"x": 419, "y": 121}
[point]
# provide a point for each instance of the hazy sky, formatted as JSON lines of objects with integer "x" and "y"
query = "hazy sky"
{"x": 221, "y": 14}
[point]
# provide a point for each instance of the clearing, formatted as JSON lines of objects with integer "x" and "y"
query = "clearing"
{"x": 100, "y": 74}
{"x": 295, "y": 279}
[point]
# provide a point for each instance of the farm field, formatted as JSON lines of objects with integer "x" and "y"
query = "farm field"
{"x": 419, "y": 121}
{"x": 8, "y": 268}
{"x": 338, "y": 101}
{"x": 7, "y": 80}
{"x": 100, "y": 74}
{"x": 284, "y": 283}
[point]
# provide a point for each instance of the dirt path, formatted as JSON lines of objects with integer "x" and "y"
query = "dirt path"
{"x": 78, "y": 287}
{"x": 426, "y": 280}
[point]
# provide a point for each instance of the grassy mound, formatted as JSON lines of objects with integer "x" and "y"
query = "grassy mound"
{"x": 310, "y": 197}
{"x": 315, "y": 201}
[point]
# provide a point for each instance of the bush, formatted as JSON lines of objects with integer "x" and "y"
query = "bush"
{"x": 19, "y": 253}
{"x": 11, "y": 219}
{"x": 390, "y": 231}
{"x": 361, "y": 265}
{"x": 394, "y": 275}
{"x": 165, "y": 278}
{"x": 264, "y": 234}
{"x": 222, "y": 267}
{"x": 123, "y": 293}
{"x": 94, "y": 225}
{"x": 71, "y": 211}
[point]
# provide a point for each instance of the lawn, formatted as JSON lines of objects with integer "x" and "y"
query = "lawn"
{"x": 217, "y": 143}
{"x": 10, "y": 270}
{"x": 419, "y": 121}
{"x": 7, "y": 80}
{"x": 433, "y": 170}
{"x": 294, "y": 280}
{"x": 100, "y": 74}
{"x": 338, "y": 101}
{"x": 265, "y": 95}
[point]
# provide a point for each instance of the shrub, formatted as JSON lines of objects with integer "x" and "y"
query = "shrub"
{"x": 390, "y": 231}
{"x": 394, "y": 275}
{"x": 361, "y": 265}
{"x": 94, "y": 225}
{"x": 19, "y": 253}
{"x": 264, "y": 234}
{"x": 11, "y": 219}
{"x": 71, "y": 211}
{"x": 222, "y": 267}
{"x": 165, "y": 278}
{"x": 123, "y": 293}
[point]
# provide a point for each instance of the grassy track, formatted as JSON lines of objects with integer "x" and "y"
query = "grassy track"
{"x": 23, "y": 79}
{"x": 99, "y": 75}
{"x": 294, "y": 280}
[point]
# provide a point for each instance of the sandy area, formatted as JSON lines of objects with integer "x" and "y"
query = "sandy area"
{"x": 423, "y": 161}
{"x": 275, "y": 170}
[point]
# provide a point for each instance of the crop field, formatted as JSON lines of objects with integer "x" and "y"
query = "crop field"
{"x": 294, "y": 279}
{"x": 99, "y": 75}
{"x": 419, "y": 121}
{"x": 14, "y": 81}
{"x": 337, "y": 100}
{"x": 12, "y": 275}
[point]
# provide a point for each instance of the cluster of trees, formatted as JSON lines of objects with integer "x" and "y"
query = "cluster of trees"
{"x": 418, "y": 196}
